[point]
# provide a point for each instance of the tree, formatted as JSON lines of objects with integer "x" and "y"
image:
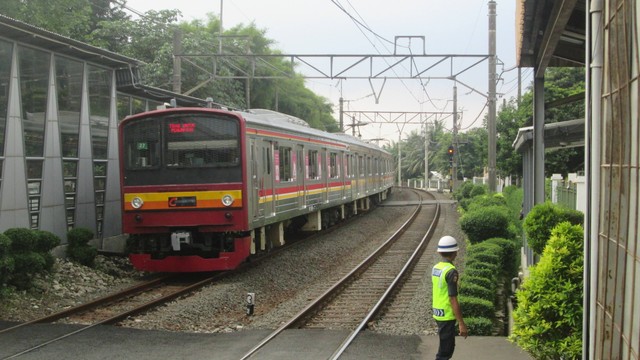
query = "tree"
{"x": 66, "y": 17}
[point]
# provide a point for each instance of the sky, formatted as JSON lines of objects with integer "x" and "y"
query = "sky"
{"x": 455, "y": 27}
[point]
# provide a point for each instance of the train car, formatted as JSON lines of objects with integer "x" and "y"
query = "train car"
{"x": 204, "y": 189}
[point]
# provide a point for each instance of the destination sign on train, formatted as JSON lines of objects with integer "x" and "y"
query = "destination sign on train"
{"x": 182, "y": 128}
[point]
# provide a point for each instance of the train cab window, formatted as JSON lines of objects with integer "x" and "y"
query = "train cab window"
{"x": 142, "y": 145}
{"x": 201, "y": 142}
{"x": 285, "y": 164}
{"x": 333, "y": 166}
{"x": 312, "y": 164}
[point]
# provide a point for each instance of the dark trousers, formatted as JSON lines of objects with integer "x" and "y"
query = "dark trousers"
{"x": 447, "y": 334}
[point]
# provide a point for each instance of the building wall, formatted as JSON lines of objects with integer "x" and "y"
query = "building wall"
{"x": 617, "y": 330}
{"x": 58, "y": 142}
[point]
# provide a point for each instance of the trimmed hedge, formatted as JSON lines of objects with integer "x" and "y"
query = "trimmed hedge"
{"x": 479, "y": 326}
{"x": 474, "y": 290}
{"x": 510, "y": 254}
{"x": 22, "y": 240}
{"x": 6, "y": 261}
{"x": 477, "y": 264}
{"x": 484, "y": 273}
{"x": 487, "y": 200}
{"x": 79, "y": 237}
{"x": 542, "y": 219}
{"x": 486, "y": 223}
{"x": 485, "y": 256}
{"x": 79, "y": 250}
{"x": 25, "y": 253}
{"x": 476, "y": 307}
{"x": 477, "y": 280}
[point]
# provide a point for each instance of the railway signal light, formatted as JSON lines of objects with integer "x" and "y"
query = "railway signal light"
{"x": 450, "y": 151}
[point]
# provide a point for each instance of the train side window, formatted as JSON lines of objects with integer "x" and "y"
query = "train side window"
{"x": 312, "y": 164}
{"x": 285, "y": 164}
{"x": 333, "y": 165}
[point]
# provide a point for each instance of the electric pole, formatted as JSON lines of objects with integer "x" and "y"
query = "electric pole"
{"x": 491, "y": 122}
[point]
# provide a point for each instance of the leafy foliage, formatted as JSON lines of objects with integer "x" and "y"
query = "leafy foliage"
{"x": 479, "y": 326}
{"x": 487, "y": 283}
{"x": 476, "y": 307}
{"x": 25, "y": 253}
{"x": 548, "y": 320}
{"x": 485, "y": 223}
{"x": 78, "y": 249}
{"x": 6, "y": 261}
{"x": 543, "y": 218}
{"x": 22, "y": 240}
{"x": 474, "y": 290}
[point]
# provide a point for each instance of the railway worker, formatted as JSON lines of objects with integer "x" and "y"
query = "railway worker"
{"x": 446, "y": 309}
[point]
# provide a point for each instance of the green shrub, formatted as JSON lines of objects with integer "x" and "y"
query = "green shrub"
{"x": 548, "y": 319}
{"x": 5, "y": 245}
{"x": 79, "y": 236}
{"x": 84, "y": 255}
{"x": 476, "y": 307}
{"x": 544, "y": 217}
{"x": 483, "y": 201}
{"x": 473, "y": 290}
{"x": 477, "y": 280}
{"x": 485, "y": 273}
{"x": 22, "y": 240}
{"x": 7, "y": 266}
{"x": 486, "y": 257}
{"x": 478, "y": 264}
{"x": 479, "y": 326}
{"x": 477, "y": 190}
{"x": 79, "y": 250}
{"x": 484, "y": 246}
{"x": 464, "y": 191}
{"x": 46, "y": 241}
{"x": 464, "y": 203}
{"x": 26, "y": 265}
{"x": 486, "y": 223}
{"x": 510, "y": 254}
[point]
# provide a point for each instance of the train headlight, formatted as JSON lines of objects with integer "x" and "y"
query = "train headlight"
{"x": 137, "y": 202}
{"x": 227, "y": 200}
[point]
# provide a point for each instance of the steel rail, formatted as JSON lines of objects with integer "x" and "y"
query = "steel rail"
{"x": 394, "y": 284}
{"x": 122, "y": 315}
{"x": 313, "y": 305}
{"x": 135, "y": 289}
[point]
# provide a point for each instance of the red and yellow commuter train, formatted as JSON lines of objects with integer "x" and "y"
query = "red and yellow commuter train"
{"x": 204, "y": 189}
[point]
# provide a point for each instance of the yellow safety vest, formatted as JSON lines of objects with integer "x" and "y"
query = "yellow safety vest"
{"x": 442, "y": 310}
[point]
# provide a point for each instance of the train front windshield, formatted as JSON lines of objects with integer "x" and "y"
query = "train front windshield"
{"x": 182, "y": 149}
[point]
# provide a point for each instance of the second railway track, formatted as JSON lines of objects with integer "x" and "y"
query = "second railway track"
{"x": 353, "y": 301}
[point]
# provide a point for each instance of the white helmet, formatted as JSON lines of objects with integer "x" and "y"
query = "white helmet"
{"x": 447, "y": 244}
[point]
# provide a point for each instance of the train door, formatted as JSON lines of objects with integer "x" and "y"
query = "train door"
{"x": 299, "y": 165}
{"x": 342, "y": 173}
{"x": 255, "y": 172}
{"x": 361, "y": 176}
{"x": 324, "y": 164}
{"x": 267, "y": 190}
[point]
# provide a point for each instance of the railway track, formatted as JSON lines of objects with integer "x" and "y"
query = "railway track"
{"x": 118, "y": 306}
{"x": 352, "y": 302}
{"x": 143, "y": 297}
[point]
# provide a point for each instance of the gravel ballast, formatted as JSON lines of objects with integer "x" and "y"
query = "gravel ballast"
{"x": 283, "y": 284}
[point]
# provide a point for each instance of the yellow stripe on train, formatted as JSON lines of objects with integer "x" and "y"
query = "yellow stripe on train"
{"x": 296, "y": 194}
{"x": 182, "y": 200}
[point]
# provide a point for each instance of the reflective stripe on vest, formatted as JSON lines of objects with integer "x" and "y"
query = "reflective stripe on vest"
{"x": 442, "y": 309}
